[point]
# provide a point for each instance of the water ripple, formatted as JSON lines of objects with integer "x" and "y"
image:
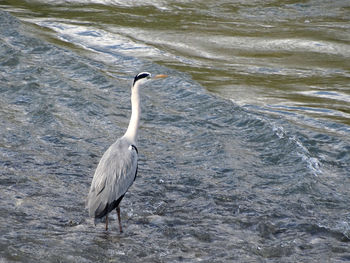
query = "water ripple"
{"x": 217, "y": 181}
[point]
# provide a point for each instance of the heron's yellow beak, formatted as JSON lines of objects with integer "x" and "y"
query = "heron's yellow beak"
{"x": 160, "y": 76}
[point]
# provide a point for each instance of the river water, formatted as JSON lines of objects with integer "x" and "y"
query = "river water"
{"x": 244, "y": 149}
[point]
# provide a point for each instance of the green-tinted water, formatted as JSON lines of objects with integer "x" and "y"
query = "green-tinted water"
{"x": 287, "y": 56}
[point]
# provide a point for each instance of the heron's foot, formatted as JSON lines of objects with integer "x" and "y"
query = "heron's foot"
{"x": 107, "y": 222}
{"x": 119, "y": 220}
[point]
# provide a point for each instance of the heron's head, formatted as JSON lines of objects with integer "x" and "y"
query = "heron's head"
{"x": 145, "y": 76}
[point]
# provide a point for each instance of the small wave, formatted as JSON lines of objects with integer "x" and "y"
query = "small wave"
{"x": 286, "y": 143}
{"x": 312, "y": 162}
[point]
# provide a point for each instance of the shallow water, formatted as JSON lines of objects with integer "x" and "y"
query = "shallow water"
{"x": 244, "y": 149}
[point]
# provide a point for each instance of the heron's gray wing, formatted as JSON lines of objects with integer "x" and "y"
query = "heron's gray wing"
{"x": 114, "y": 174}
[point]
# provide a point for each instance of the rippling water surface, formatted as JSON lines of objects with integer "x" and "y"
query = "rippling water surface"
{"x": 244, "y": 149}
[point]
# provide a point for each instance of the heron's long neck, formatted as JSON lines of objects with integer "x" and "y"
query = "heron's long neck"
{"x": 131, "y": 132}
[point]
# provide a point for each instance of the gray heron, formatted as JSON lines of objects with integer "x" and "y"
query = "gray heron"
{"x": 117, "y": 168}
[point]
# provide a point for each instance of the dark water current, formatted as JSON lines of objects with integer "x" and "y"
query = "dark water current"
{"x": 218, "y": 181}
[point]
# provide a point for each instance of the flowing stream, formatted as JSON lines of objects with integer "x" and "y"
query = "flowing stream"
{"x": 244, "y": 148}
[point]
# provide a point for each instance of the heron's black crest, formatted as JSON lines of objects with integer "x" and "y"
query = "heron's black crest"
{"x": 141, "y": 75}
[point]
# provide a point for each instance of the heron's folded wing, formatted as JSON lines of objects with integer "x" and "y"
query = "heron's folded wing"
{"x": 114, "y": 174}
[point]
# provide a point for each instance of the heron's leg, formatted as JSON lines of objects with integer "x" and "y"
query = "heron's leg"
{"x": 106, "y": 222}
{"x": 120, "y": 223}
